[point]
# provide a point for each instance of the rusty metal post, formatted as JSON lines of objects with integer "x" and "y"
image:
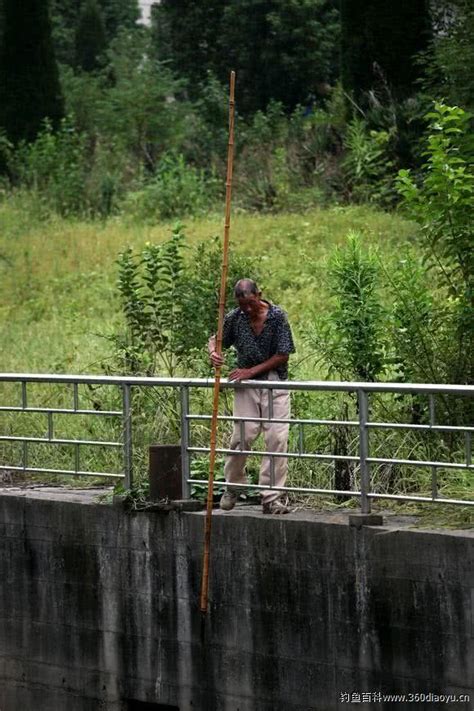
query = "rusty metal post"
{"x": 165, "y": 472}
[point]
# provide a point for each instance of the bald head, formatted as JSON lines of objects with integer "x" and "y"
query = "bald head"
{"x": 245, "y": 288}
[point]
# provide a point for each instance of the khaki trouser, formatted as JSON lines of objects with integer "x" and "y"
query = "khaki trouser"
{"x": 253, "y": 402}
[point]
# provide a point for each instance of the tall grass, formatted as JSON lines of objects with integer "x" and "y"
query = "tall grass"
{"x": 58, "y": 297}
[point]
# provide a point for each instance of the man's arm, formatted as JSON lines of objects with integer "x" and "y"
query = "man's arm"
{"x": 216, "y": 360}
{"x": 211, "y": 344}
{"x": 249, "y": 373}
{"x": 227, "y": 339}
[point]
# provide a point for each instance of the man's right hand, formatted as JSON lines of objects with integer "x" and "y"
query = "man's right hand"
{"x": 216, "y": 359}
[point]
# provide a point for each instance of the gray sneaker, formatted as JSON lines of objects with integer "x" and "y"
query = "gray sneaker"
{"x": 228, "y": 500}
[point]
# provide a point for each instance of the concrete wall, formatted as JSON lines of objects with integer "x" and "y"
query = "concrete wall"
{"x": 99, "y": 607}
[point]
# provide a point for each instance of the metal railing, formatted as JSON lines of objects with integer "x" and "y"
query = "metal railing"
{"x": 363, "y": 425}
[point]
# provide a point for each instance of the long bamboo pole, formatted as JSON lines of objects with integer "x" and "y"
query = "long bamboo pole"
{"x": 220, "y": 323}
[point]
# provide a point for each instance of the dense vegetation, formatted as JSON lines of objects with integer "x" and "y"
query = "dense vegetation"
{"x": 108, "y": 129}
{"x": 282, "y": 50}
{"x": 332, "y": 100}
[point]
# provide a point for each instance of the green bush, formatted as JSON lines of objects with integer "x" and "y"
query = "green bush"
{"x": 55, "y": 166}
{"x": 170, "y": 304}
{"x": 177, "y": 190}
{"x": 416, "y": 322}
{"x": 69, "y": 172}
{"x": 367, "y": 164}
{"x": 441, "y": 199}
{"x": 282, "y": 160}
{"x": 350, "y": 336}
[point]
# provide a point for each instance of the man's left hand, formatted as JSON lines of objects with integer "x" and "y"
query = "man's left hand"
{"x": 241, "y": 374}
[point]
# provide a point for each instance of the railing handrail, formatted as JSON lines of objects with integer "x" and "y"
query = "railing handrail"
{"x": 361, "y": 389}
{"x": 333, "y": 385}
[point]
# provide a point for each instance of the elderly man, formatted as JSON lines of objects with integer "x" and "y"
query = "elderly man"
{"x": 261, "y": 335}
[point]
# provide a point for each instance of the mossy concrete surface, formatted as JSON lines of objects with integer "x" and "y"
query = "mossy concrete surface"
{"x": 99, "y": 609}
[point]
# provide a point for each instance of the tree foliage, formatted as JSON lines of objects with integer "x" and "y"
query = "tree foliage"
{"x": 28, "y": 72}
{"x": 90, "y": 40}
{"x": 442, "y": 201}
{"x": 2, "y": 24}
{"x": 284, "y": 50}
{"x": 379, "y": 41}
{"x": 137, "y": 107}
{"x": 449, "y": 60}
{"x": 116, "y": 15}
{"x": 119, "y": 14}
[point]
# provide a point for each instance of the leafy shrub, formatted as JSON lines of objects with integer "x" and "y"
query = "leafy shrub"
{"x": 367, "y": 163}
{"x": 200, "y": 470}
{"x": 281, "y": 159}
{"x": 176, "y": 190}
{"x": 441, "y": 199}
{"x": 104, "y": 186}
{"x": 416, "y": 322}
{"x": 6, "y": 149}
{"x": 424, "y": 336}
{"x": 71, "y": 173}
{"x": 170, "y": 304}
{"x": 350, "y": 336}
{"x": 55, "y": 165}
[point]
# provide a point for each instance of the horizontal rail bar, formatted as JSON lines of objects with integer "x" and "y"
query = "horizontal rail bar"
{"x": 278, "y": 420}
{"x": 421, "y": 463}
{"x": 348, "y": 423}
{"x": 425, "y": 499}
{"x": 61, "y": 411}
{"x": 338, "y": 492}
{"x": 43, "y": 440}
{"x": 301, "y": 489}
{"x": 66, "y": 472}
{"x": 323, "y": 385}
{"x": 431, "y": 428}
{"x": 290, "y": 455}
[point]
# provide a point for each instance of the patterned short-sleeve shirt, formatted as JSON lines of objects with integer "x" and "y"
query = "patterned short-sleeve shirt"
{"x": 275, "y": 339}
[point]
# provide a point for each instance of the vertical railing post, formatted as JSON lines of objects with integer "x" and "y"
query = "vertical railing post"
{"x": 75, "y": 396}
{"x": 127, "y": 435}
{"x": 364, "y": 451}
{"x": 434, "y": 471}
{"x": 185, "y": 488}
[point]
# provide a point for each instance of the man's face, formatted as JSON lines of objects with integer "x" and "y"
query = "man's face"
{"x": 250, "y": 304}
